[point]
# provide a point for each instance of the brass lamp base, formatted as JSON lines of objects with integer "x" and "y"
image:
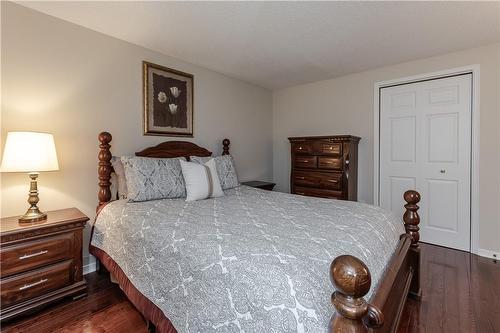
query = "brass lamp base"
{"x": 33, "y": 214}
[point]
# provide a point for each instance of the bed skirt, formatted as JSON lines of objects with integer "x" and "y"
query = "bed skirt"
{"x": 148, "y": 309}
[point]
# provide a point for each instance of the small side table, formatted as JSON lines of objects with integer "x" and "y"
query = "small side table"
{"x": 41, "y": 262}
{"x": 260, "y": 184}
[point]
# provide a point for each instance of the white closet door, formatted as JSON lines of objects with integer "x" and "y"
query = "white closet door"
{"x": 425, "y": 144}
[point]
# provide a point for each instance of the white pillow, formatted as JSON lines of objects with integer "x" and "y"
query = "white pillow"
{"x": 201, "y": 180}
{"x": 121, "y": 181}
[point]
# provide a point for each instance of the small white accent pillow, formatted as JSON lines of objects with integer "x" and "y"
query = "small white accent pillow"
{"x": 202, "y": 181}
{"x": 121, "y": 181}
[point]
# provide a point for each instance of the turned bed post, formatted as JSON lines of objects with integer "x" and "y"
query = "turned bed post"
{"x": 104, "y": 169}
{"x": 225, "y": 146}
{"x": 411, "y": 220}
{"x": 351, "y": 279}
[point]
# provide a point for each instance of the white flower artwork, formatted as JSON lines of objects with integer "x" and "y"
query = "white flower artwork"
{"x": 168, "y": 101}
{"x": 175, "y": 91}
{"x": 173, "y": 108}
{"x": 162, "y": 97}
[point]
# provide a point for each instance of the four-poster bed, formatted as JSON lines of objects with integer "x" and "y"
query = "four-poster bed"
{"x": 349, "y": 275}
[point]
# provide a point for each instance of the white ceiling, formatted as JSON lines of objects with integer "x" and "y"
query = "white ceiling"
{"x": 280, "y": 44}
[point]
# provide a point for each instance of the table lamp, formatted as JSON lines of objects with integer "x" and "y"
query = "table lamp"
{"x": 30, "y": 152}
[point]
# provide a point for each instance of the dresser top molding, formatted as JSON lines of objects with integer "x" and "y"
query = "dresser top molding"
{"x": 333, "y": 138}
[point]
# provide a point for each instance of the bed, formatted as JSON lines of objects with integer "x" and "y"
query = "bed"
{"x": 256, "y": 260}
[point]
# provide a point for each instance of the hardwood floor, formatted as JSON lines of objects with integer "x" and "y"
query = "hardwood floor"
{"x": 461, "y": 293}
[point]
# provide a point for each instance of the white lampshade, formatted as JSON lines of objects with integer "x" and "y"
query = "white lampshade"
{"x": 29, "y": 152}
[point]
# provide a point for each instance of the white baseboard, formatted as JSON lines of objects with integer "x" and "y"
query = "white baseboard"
{"x": 488, "y": 254}
{"x": 90, "y": 264}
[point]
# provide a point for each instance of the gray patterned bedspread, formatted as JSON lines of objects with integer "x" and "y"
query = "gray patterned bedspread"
{"x": 251, "y": 261}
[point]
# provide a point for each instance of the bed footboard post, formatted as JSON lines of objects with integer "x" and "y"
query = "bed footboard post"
{"x": 411, "y": 220}
{"x": 225, "y": 146}
{"x": 104, "y": 169}
{"x": 351, "y": 279}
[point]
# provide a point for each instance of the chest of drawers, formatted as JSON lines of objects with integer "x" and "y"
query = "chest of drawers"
{"x": 40, "y": 263}
{"x": 325, "y": 166}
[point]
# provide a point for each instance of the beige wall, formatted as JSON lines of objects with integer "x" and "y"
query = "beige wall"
{"x": 60, "y": 78}
{"x": 345, "y": 106}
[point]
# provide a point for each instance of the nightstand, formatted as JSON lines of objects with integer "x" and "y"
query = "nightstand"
{"x": 41, "y": 262}
{"x": 259, "y": 184}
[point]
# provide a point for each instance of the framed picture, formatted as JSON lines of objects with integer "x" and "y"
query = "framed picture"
{"x": 168, "y": 101}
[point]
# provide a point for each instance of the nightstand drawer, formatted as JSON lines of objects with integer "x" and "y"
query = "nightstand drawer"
{"x": 34, "y": 254}
{"x": 28, "y": 285}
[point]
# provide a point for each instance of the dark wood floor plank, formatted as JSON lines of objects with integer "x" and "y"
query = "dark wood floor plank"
{"x": 461, "y": 293}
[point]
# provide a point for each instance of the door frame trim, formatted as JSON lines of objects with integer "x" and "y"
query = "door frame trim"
{"x": 474, "y": 195}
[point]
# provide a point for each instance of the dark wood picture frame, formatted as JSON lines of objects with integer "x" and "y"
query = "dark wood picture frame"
{"x": 169, "y": 111}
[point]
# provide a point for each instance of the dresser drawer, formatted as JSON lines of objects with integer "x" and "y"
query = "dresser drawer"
{"x": 306, "y": 161}
{"x": 330, "y": 163}
{"x": 22, "y": 257}
{"x": 331, "y": 181}
{"x": 306, "y": 179}
{"x": 28, "y": 285}
{"x": 329, "y": 148}
{"x": 316, "y": 192}
{"x": 327, "y": 180}
{"x": 302, "y": 148}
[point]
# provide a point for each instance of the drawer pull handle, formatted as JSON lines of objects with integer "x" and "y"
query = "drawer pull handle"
{"x": 301, "y": 178}
{"x": 31, "y": 285}
{"x": 333, "y": 181}
{"x": 301, "y": 193}
{"x": 26, "y": 256}
{"x": 300, "y": 148}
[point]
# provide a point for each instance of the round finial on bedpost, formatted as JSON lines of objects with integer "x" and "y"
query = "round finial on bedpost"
{"x": 351, "y": 279}
{"x": 104, "y": 168}
{"x": 411, "y": 217}
{"x": 104, "y": 137}
{"x": 225, "y": 146}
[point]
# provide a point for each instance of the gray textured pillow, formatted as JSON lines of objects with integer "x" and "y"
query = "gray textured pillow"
{"x": 225, "y": 169}
{"x": 153, "y": 178}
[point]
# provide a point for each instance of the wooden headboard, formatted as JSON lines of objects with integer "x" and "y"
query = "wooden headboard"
{"x": 167, "y": 149}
